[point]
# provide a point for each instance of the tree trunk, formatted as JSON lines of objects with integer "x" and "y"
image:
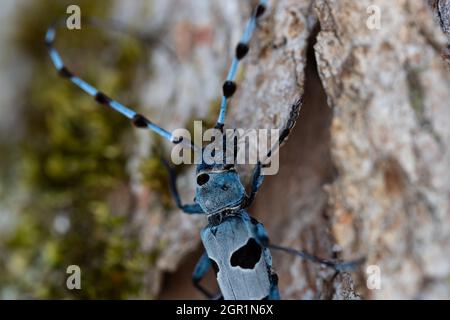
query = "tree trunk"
{"x": 365, "y": 171}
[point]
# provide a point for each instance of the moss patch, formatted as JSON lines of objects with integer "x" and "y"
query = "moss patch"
{"x": 73, "y": 159}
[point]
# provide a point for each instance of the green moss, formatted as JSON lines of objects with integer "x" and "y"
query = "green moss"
{"x": 73, "y": 158}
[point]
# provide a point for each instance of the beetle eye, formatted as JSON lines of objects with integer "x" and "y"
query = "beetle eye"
{"x": 202, "y": 179}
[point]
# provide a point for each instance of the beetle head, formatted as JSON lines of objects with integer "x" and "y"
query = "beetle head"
{"x": 218, "y": 187}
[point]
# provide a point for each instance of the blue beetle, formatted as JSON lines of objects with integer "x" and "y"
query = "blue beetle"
{"x": 237, "y": 246}
{"x": 235, "y": 243}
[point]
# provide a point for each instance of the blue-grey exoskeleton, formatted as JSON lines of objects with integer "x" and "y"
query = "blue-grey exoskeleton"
{"x": 237, "y": 246}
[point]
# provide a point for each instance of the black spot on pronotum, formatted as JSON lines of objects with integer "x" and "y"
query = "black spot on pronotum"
{"x": 229, "y": 88}
{"x": 65, "y": 73}
{"x": 102, "y": 98}
{"x": 260, "y": 9}
{"x": 202, "y": 179}
{"x": 247, "y": 256}
{"x": 140, "y": 121}
{"x": 241, "y": 50}
{"x": 215, "y": 266}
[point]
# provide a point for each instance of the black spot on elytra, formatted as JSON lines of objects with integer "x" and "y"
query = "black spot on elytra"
{"x": 247, "y": 256}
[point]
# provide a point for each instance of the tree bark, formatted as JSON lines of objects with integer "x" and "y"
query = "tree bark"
{"x": 389, "y": 93}
{"x": 365, "y": 171}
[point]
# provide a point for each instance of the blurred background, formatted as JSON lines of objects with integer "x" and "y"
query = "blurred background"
{"x": 78, "y": 183}
{"x": 80, "y": 186}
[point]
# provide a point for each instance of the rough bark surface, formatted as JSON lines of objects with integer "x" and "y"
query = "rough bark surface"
{"x": 389, "y": 91}
{"x": 365, "y": 172}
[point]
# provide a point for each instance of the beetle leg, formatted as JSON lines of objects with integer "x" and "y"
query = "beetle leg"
{"x": 201, "y": 269}
{"x": 261, "y": 234}
{"x": 338, "y": 266}
{"x": 274, "y": 292}
{"x": 257, "y": 180}
{"x": 193, "y": 208}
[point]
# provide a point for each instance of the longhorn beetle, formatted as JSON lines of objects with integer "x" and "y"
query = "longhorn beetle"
{"x": 237, "y": 246}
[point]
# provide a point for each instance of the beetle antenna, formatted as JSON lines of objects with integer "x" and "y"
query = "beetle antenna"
{"x": 137, "y": 119}
{"x": 338, "y": 266}
{"x": 242, "y": 48}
